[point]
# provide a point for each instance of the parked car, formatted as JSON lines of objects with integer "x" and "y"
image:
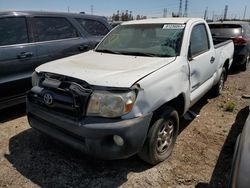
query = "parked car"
{"x": 240, "y": 171}
{"x": 29, "y": 39}
{"x": 239, "y": 32}
{"x": 127, "y": 95}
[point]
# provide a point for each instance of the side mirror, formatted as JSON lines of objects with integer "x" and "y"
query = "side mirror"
{"x": 190, "y": 58}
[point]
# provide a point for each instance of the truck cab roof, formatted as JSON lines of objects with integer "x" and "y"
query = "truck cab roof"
{"x": 163, "y": 20}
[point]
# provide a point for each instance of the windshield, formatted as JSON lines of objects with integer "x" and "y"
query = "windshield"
{"x": 159, "y": 40}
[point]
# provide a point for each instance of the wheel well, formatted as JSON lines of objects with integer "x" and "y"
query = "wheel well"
{"x": 177, "y": 103}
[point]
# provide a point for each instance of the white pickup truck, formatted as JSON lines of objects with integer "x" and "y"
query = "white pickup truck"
{"x": 127, "y": 95}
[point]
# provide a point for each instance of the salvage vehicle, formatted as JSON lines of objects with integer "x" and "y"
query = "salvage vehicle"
{"x": 239, "y": 32}
{"x": 127, "y": 95}
{"x": 29, "y": 39}
{"x": 240, "y": 171}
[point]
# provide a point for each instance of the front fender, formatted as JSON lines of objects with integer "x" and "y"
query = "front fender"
{"x": 161, "y": 87}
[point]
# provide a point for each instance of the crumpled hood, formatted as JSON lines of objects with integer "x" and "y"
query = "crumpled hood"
{"x": 103, "y": 69}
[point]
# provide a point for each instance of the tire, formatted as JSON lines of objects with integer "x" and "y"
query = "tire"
{"x": 161, "y": 137}
{"x": 243, "y": 67}
{"x": 234, "y": 161}
{"x": 218, "y": 88}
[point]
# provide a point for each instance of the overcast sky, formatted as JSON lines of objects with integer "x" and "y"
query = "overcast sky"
{"x": 150, "y": 8}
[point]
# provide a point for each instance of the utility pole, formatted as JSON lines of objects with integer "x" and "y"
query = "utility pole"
{"x": 225, "y": 12}
{"x": 92, "y": 9}
{"x": 130, "y": 15}
{"x": 180, "y": 9}
{"x": 205, "y": 14}
{"x": 165, "y": 12}
{"x": 186, "y": 9}
{"x": 244, "y": 16}
{"x": 68, "y": 9}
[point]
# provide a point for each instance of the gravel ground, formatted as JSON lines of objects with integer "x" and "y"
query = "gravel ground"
{"x": 201, "y": 158}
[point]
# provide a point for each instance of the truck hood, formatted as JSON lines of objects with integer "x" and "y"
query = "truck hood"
{"x": 103, "y": 69}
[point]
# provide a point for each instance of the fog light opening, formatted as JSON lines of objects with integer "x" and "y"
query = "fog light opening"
{"x": 118, "y": 140}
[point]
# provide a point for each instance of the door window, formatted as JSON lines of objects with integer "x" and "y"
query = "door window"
{"x": 199, "y": 40}
{"x": 51, "y": 28}
{"x": 93, "y": 27}
{"x": 13, "y": 31}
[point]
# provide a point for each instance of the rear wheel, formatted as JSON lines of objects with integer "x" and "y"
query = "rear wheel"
{"x": 161, "y": 137}
{"x": 218, "y": 88}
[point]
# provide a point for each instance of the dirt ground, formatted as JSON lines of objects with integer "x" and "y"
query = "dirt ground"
{"x": 201, "y": 158}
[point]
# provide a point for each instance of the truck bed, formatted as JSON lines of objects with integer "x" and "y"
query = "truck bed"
{"x": 219, "y": 43}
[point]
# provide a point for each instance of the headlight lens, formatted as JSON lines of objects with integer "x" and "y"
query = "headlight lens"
{"x": 35, "y": 79}
{"x": 107, "y": 104}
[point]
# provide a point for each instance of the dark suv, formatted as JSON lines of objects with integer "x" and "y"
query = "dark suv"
{"x": 239, "y": 32}
{"x": 28, "y": 39}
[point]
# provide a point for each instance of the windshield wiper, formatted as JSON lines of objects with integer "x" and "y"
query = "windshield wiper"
{"x": 108, "y": 51}
{"x": 130, "y": 53}
{"x": 139, "y": 54}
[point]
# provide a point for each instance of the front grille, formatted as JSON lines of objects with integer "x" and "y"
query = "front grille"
{"x": 70, "y": 96}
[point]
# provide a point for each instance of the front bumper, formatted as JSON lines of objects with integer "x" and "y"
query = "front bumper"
{"x": 93, "y": 136}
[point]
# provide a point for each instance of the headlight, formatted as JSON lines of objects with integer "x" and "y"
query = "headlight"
{"x": 35, "y": 79}
{"x": 107, "y": 104}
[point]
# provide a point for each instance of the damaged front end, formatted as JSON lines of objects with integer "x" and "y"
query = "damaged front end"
{"x": 86, "y": 117}
{"x": 60, "y": 94}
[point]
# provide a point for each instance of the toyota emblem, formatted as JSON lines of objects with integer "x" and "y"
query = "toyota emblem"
{"x": 48, "y": 99}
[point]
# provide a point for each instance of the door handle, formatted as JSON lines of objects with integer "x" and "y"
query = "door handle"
{"x": 23, "y": 55}
{"x": 83, "y": 47}
{"x": 212, "y": 59}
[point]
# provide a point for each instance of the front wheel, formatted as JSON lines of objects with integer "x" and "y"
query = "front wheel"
{"x": 161, "y": 137}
